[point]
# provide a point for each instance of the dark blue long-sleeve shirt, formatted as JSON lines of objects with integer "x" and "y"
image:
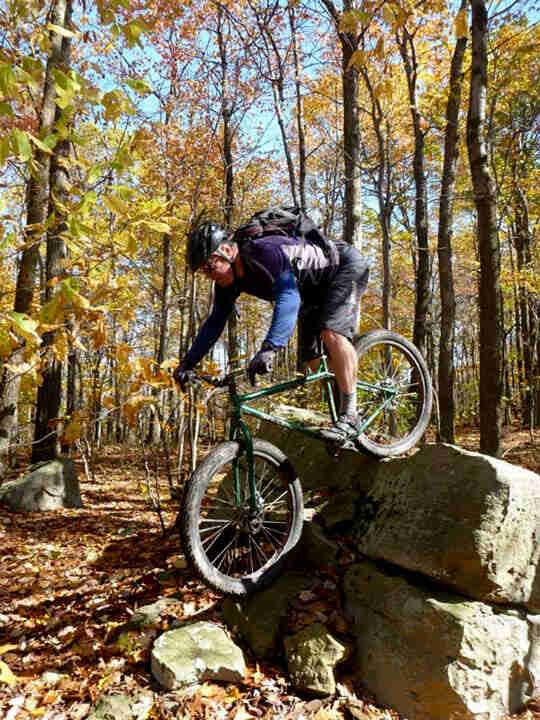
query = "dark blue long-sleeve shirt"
{"x": 283, "y": 270}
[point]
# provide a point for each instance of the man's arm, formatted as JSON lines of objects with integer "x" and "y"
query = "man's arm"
{"x": 287, "y": 305}
{"x": 209, "y": 331}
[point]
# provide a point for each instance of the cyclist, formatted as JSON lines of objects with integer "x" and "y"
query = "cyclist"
{"x": 298, "y": 277}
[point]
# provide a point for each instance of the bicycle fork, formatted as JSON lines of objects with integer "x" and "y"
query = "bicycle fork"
{"x": 239, "y": 428}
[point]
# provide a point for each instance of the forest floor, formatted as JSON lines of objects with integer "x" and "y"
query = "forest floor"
{"x": 71, "y": 579}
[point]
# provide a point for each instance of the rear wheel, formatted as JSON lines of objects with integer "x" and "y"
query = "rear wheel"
{"x": 235, "y": 545}
{"x": 394, "y": 391}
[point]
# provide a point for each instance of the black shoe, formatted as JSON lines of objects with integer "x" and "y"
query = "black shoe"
{"x": 348, "y": 425}
{"x": 344, "y": 430}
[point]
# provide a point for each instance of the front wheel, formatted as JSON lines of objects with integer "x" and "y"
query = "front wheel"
{"x": 394, "y": 393}
{"x": 237, "y": 544}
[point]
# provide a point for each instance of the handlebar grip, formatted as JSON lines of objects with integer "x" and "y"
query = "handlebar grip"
{"x": 221, "y": 380}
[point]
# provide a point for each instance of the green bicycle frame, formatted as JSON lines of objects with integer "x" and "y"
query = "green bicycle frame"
{"x": 240, "y": 431}
{"x": 239, "y": 428}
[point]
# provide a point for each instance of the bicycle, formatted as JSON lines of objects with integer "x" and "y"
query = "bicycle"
{"x": 242, "y": 509}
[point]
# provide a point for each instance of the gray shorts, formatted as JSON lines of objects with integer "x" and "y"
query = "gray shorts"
{"x": 337, "y": 306}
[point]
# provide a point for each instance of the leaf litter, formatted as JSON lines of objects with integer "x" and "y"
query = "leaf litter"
{"x": 70, "y": 582}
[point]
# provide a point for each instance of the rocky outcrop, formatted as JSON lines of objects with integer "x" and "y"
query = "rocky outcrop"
{"x": 123, "y": 707}
{"x": 258, "y": 618}
{"x": 443, "y": 600}
{"x": 49, "y": 486}
{"x": 468, "y": 521}
{"x": 315, "y": 465}
{"x": 435, "y": 655}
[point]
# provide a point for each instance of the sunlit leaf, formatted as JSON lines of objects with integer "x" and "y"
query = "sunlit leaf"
{"x": 6, "y": 676}
{"x": 21, "y": 144}
{"x": 61, "y": 30}
{"x": 25, "y": 326}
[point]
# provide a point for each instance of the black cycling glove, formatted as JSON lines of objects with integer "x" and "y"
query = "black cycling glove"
{"x": 261, "y": 364}
{"x": 183, "y": 377}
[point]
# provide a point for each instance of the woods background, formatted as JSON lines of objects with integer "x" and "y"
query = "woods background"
{"x": 407, "y": 128}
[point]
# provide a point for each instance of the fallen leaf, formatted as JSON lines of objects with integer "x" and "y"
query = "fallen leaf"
{"x": 7, "y": 648}
{"x": 6, "y": 676}
{"x": 242, "y": 714}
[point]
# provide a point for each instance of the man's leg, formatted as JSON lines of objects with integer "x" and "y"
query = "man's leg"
{"x": 343, "y": 359}
{"x": 344, "y": 363}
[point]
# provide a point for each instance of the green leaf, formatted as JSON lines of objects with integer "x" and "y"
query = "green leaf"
{"x": 25, "y": 326}
{"x": 123, "y": 191}
{"x": 5, "y": 109}
{"x": 21, "y": 144}
{"x": 41, "y": 145}
{"x": 32, "y": 66}
{"x": 8, "y": 81}
{"x": 132, "y": 31}
{"x": 388, "y": 15}
{"x": 50, "y": 141}
{"x": 139, "y": 85}
{"x": 94, "y": 174}
{"x": 116, "y": 205}
{"x": 4, "y": 149}
{"x": 157, "y": 226}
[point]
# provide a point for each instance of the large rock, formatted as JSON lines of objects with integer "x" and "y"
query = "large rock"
{"x": 466, "y": 520}
{"x": 258, "y": 618}
{"x": 435, "y": 656}
{"x": 195, "y": 653}
{"x": 312, "y": 654}
{"x": 315, "y": 466}
{"x": 49, "y": 486}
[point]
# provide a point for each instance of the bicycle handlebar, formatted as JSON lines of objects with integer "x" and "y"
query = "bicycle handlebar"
{"x": 221, "y": 380}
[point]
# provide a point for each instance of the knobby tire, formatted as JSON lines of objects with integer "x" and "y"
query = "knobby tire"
{"x": 228, "y": 554}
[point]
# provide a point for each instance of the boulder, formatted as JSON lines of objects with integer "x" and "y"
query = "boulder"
{"x": 312, "y": 654}
{"x": 315, "y": 466}
{"x": 434, "y": 655}
{"x": 49, "y": 486}
{"x": 466, "y": 520}
{"x": 195, "y": 653}
{"x": 258, "y": 618}
{"x": 314, "y": 549}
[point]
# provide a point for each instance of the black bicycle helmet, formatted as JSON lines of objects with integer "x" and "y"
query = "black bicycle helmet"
{"x": 202, "y": 242}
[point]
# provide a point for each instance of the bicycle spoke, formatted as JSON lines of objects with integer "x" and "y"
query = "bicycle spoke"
{"x": 396, "y": 397}
{"x": 260, "y": 526}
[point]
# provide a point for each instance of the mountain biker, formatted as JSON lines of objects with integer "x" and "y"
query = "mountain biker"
{"x": 298, "y": 277}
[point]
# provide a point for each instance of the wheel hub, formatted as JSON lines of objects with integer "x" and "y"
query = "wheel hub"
{"x": 389, "y": 389}
{"x": 254, "y": 518}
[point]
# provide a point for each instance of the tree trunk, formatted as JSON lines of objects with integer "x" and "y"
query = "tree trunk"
{"x": 299, "y": 110}
{"x": 352, "y": 227}
{"x": 227, "y": 111}
{"x": 423, "y": 265}
{"x": 382, "y": 182}
{"x": 446, "y": 376}
{"x": 527, "y": 314}
{"x": 49, "y": 394}
{"x": 36, "y": 210}
{"x": 491, "y": 325}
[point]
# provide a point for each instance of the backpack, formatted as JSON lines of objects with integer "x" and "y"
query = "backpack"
{"x": 289, "y": 221}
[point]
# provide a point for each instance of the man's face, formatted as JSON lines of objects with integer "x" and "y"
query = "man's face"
{"x": 218, "y": 266}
